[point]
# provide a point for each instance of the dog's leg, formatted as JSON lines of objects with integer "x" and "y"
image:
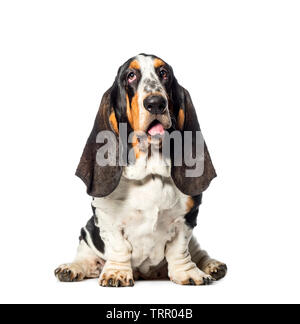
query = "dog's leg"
{"x": 208, "y": 265}
{"x": 117, "y": 271}
{"x": 180, "y": 266}
{"x": 86, "y": 265}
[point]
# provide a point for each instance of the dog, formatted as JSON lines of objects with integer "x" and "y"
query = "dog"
{"x": 144, "y": 212}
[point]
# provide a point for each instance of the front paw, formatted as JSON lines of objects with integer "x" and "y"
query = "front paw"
{"x": 193, "y": 277}
{"x": 114, "y": 277}
{"x": 69, "y": 273}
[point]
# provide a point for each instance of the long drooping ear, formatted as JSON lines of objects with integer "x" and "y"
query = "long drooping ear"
{"x": 100, "y": 180}
{"x": 187, "y": 121}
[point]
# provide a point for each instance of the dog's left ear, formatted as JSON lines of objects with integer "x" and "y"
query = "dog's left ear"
{"x": 187, "y": 121}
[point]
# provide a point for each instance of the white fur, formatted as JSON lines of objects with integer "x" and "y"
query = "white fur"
{"x": 142, "y": 223}
{"x": 147, "y": 211}
{"x": 148, "y": 73}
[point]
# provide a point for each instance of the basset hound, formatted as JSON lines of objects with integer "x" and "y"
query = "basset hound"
{"x": 145, "y": 209}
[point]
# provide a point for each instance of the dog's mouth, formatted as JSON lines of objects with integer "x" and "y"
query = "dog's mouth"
{"x": 156, "y": 128}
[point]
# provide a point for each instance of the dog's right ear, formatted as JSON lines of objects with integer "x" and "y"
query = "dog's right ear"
{"x": 101, "y": 180}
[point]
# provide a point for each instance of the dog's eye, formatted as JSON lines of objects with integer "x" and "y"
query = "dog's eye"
{"x": 131, "y": 77}
{"x": 163, "y": 74}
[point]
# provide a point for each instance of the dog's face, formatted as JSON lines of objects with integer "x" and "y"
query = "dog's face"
{"x": 143, "y": 89}
{"x": 148, "y": 99}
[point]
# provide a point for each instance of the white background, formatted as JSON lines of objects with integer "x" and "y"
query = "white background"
{"x": 240, "y": 60}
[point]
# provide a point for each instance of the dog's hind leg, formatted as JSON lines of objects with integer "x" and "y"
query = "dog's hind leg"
{"x": 86, "y": 265}
{"x": 205, "y": 263}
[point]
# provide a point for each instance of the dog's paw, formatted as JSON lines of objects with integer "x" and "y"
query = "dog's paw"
{"x": 116, "y": 278}
{"x": 193, "y": 277}
{"x": 69, "y": 273}
{"x": 216, "y": 269}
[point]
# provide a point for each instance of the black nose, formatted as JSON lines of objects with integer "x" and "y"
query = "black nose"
{"x": 155, "y": 104}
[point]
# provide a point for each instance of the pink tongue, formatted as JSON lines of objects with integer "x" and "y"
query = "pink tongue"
{"x": 157, "y": 129}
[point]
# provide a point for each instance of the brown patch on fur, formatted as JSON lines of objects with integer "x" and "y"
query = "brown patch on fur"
{"x": 190, "y": 204}
{"x": 113, "y": 122}
{"x": 133, "y": 112}
{"x": 134, "y": 118}
{"x": 135, "y": 145}
{"x": 158, "y": 63}
{"x": 135, "y": 65}
{"x": 180, "y": 119}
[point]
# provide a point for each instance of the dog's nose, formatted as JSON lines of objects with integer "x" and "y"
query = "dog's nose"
{"x": 155, "y": 104}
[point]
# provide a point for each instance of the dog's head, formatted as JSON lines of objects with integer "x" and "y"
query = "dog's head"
{"x": 141, "y": 92}
{"x": 147, "y": 97}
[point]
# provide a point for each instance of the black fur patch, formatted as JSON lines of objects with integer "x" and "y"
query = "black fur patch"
{"x": 94, "y": 233}
{"x": 191, "y": 216}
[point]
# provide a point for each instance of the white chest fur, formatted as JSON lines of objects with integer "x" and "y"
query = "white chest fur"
{"x": 146, "y": 212}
